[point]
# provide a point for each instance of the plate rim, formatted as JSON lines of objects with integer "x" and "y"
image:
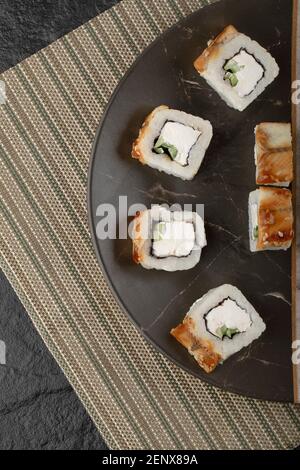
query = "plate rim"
{"x": 207, "y": 380}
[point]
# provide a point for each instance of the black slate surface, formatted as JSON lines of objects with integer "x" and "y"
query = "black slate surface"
{"x": 38, "y": 407}
{"x": 226, "y": 177}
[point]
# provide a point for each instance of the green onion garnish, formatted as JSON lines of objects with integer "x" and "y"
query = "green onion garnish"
{"x": 231, "y": 332}
{"x": 163, "y": 147}
{"x": 232, "y": 78}
{"x": 255, "y": 233}
{"x": 232, "y": 67}
{"x": 160, "y": 230}
{"x": 224, "y": 331}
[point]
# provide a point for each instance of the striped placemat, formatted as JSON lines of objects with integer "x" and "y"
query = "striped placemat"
{"x": 137, "y": 398}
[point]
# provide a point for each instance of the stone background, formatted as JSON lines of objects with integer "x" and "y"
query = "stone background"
{"x": 38, "y": 407}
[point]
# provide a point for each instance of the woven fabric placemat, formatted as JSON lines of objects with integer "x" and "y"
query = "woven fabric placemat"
{"x": 136, "y": 397}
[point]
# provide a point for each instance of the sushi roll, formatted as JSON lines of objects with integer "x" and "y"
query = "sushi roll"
{"x": 238, "y": 68}
{"x": 173, "y": 141}
{"x": 168, "y": 241}
{"x": 274, "y": 154}
{"x": 270, "y": 219}
{"x": 219, "y": 325}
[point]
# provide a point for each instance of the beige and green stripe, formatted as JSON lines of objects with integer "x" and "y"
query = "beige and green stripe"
{"x": 136, "y": 397}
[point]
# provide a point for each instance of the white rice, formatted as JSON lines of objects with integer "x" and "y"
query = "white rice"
{"x": 143, "y": 235}
{"x": 226, "y": 347}
{"x": 163, "y": 162}
{"x": 254, "y": 198}
{"x": 214, "y": 72}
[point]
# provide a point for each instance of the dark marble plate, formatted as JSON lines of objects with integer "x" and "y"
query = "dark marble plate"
{"x": 158, "y": 301}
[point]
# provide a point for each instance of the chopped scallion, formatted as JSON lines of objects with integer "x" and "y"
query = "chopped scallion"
{"x": 224, "y": 331}
{"x": 163, "y": 147}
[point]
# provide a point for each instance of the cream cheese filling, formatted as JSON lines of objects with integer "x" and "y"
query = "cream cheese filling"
{"x": 227, "y": 320}
{"x": 178, "y": 140}
{"x": 175, "y": 238}
{"x": 246, "y": 73}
